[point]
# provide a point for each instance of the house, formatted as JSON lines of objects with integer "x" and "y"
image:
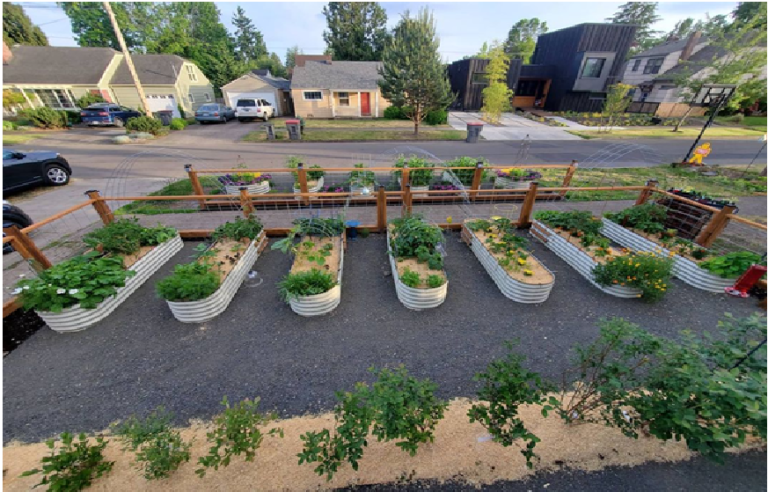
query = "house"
{"x": 337, "y": 89}
{"x": 570, "y": 70}
{"x": 260, "y": 84}
{"x": 56, "y": 77}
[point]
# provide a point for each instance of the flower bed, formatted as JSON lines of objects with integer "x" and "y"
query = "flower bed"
{"x": 519, "y": 275}
{"x": 256, "y": 183}
{"x": 201, "y": 290}
{"x": 417, "y": 266}
{"x": 515, "y": 178}
{"x": 125, "y": 256}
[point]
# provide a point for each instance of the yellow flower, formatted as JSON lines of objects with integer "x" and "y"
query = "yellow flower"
{"x": 256, "y": 175}
{"x": 449, "y": 219}
{"x": 671, "y": 253}
{"x": 527, "y": 273}
{"x": 496, "y": 217}
{"x": 521, "y": 261}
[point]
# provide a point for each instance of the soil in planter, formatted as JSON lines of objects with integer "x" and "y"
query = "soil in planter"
{"x": 591, "y": 250}
{"x": 421, "y": 268}
{"x": 228, "y": 253}
{"x": 130, "y": 260}
{"x": 18, "y": 326}
{"x": 302, "y": 264}
{"x": 656, "y": 239}
{"x": 540, "y": 274}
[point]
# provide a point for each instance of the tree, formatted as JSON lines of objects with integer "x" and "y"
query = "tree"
{"x": 290, "y": 56}
{"x": 19, "y": 29}
{"x": 616, "y": 102}
{"x": 643, "y": 14}
{"x": 249, "y": 42}
{"x": 497, "y": 95}
{"x": 750, "y": 11}
{"x": 273, "y": 64}
{"x": 412, "y": 72}
{"x": 683, "y": 29}
{"x": 521, "y": 40}
{"x": 357, "y": 31}
{"x": 92, "y": 27}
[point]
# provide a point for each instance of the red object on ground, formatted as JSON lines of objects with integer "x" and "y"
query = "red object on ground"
{"x": 474, "y": 123}
{"x": 747, "y": 281}
{"x": 292, "y": 122}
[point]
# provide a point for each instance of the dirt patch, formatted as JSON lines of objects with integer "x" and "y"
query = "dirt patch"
{"x": 302, "y": 263}
{"x": 461, "y": 450}
{"x": 226, "y": 254}
{"x": 18, "y": 326}
{"x": 591, "y": 251}
{"x": 540, "y": 275}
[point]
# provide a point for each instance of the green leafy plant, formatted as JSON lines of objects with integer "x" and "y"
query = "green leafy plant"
{"x": 731, "y": 265}
{"x": 87, "y": 99}
{"x": 410, "y": 278}
{"x": 435, "y": 281}
{"x": 412, "y": 235}
{"x": 572, "y": 222}
{"x": 88, "y": 280}
{"x": 647, "y": 217}
{"x": 45, "y": 117}
{"x": 466, "y": 176}
{"x": 159, "y": 448}
{"x": 505, "y": 386}
{"x": 236, "y": 432}
{"x": 144, "y": 124}
{"x": 314, "y": 226}
{"x": 644, "y": 271}
{"x": 239, "y": 229}
{"x": 190, "y": 282}
{"x": 74, "y": 466}
{"x": 420, "y": 170}
{"x": 364, "y": 232}
{"x": 178, "y": 124}
{"x": 316, "y": 174}
{"x": 361, "y": 178}
{"x": 309, "y": 283}
{"x": 436, "y": 117}
{"x": 126, "y": 236}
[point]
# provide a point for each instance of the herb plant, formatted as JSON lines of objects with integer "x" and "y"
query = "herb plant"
{"x": 419, "y": 170}
{"x": 236, "y": 432}
{"x": 731, "y": 265}
{"x": 435, "y": 281}
{"x": 412, "y": 235}
{"x": 190, "y": 282}
{"x": 309, "y": 283}
{"x": 361, "y": 178}
{"x": 410, "y": 278}
{"x": 74, "y": 465}
{"x": 466, "y": 176}
{"x": 239, "y": 229}
{"x": 126, "y": 236}
{"x": 647, "y": 217}
{"x": 572, "y": 222}
{"x": 645, "y": 271}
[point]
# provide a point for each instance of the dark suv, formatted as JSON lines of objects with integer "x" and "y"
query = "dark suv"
{"x": 21, "y": 169}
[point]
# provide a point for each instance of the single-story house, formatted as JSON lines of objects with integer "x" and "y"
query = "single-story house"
{"x": 57, "y": 76}
{"x": 260, "y": 84}
{"x": 338, "y": 89}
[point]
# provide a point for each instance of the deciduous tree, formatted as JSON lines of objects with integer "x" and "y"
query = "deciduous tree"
{"x": 496, "y": 97}
{"x": 19, "y": 29}
{"x": 616, "y": 102}
{"x": 521, "y": 40}
{"x": 642, "y": 14}
{"x": 357, "y": 31}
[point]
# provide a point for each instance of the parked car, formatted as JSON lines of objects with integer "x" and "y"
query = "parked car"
{"x": 13, "y": 216}
{"x": 214, "y": 112}
{"x": 107, "y": 114}
{"x": 22, "y": 169}
{"x": 250, "y": 109}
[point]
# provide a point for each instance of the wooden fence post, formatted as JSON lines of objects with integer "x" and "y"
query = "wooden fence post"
{"x": 569, "y": 176}
{"x": 381, "y": 210}
{"x": 530, "y": 198}
{"x": 477, "y": 179}
{"x": 245, "y": 202}
{"x": 650, "y": 185}
{"x": 715, "y": 226}
{"x": 407, "y": 200}
{"x": 195, "y": 181}
{"x": 404, "y": 178}
{"x": 303, "y": 183}
{"x": 101, "y": 207}
{"x": 27, "y": 248}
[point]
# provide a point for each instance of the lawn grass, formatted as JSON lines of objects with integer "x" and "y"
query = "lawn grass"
{"x": 360, "y": 135}
{"x": 666, "y": 132}
{"x": 19, "y": 138}
{"x": 759, "y": 121}
{"x": 365, "y": 123}
{"x": 180, "y": 187}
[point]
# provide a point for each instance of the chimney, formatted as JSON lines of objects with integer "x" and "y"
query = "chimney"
{"x": 690, "y": 45}
{"x": 7, "y": 55}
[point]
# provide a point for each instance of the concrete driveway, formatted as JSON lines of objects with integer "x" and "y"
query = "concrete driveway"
{"x": 511, "y": 127}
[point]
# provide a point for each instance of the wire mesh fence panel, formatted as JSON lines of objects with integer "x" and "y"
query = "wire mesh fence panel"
{"x": 738, "y": 236}
{"x": 61, "y": 239}
{"x": 15, "y": 268}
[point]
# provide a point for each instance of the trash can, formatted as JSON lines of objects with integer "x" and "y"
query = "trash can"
{"x": 270, "y": 132}
{"x": 294, "y": 129}
{"x": 165, "y": 117}
{"x": 473, "y": 131}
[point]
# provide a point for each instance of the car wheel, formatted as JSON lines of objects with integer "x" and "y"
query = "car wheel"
{"x": 266, "y": 117}
{"x": 202, "y": 122}
{"x": 241, "y": 120}
{"x": 56, "y": 175}
{"x": 223, "y": 120}
{"x": 119, "y": 122}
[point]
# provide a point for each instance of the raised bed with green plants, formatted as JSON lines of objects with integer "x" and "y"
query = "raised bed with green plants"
{"x": 361, "y": 182}
{"x": 201, "y": 290}
{"x": 420, "y": 172}
{"x": 255, "y": 183}
{"x": 417, "y": 262}
{"x": 313, "y": 286}
{"x": 79, "y": 292}
{"x": 315, "y": 176}
{"x": 576, "y": 238}
{"x": 515, "y": 178}
{"x": 519, "y": 275}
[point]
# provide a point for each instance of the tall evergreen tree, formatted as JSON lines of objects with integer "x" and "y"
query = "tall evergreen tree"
{"x": 249, "y": 42}
{"x": 19, "y": 29}
{"x": 750, "y": 12}
{"x": 642, "y": 14}
{"x": 357, "y": 31}
{"x": 413, "y": 75}
{"x": 290, "y": 56}
{"x": 521, "y": 40}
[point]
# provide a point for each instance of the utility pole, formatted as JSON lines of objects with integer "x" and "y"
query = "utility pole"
{"x": 128, "y": 60}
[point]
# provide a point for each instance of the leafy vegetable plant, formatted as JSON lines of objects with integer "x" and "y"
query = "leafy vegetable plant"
{"x": 645, "y": 271}
{"x": 305, "y": 284}
{"x": 362, "y": 177}
{"x": 410, "y": 278}
{"x": 420, "y": 170}
{"x": 731, "y": 265}
{"x": 190, "y": 282}
{"x": 239, "y": 229}
{"x": 126, "y": 236}
{"x": 74, "y": 465}
{"x": 412, "y": 235}
{"x": 466, "y": 176}
{"x": 647, "y": 217}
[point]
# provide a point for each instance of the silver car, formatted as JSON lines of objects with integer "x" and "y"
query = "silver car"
{"x": 214, "y": 112}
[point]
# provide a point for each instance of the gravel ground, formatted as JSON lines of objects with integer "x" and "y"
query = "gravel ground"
{"x": 141, "y": 357}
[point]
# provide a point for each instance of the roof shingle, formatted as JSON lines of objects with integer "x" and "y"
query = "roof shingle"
{"x": 338, "y": 75}
{"x": 56, "y": 65}
{"x": 152, "y": 70}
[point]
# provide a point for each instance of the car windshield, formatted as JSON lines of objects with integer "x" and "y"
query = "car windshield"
{"x": 209, "y": 107}
{"x": 246, "y": 102}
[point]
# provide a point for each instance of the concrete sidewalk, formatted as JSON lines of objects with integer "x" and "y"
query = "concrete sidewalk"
{"x": 512, "y": 127}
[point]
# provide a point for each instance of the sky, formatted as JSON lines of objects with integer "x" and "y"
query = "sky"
{"x": 461, "y": 26}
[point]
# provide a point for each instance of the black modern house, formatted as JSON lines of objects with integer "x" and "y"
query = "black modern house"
{"x": 570, "y": 70}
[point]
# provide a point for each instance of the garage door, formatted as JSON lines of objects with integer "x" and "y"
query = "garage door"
{"x": 163, "y": 102}
{"x": 267, "y": 96}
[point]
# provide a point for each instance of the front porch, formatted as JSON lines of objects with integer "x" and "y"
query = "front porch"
{"x": 354, "y": 104}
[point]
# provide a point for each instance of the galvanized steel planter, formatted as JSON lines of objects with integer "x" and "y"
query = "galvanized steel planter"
{"x": 509, "y": 184}
{"x": 416, "y": 299}
{"x": 578, "y": 259}
{"x": 215, "y": 304}
{"x": 314, "y": 189}
{"x": 513, "y": 289}
{"x": 324, "y": 303}
{"x": 254, "y": 189}
{"x": 76, "y": 318}
{"x": 686, "y": 270}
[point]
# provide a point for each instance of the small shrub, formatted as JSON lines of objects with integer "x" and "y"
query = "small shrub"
{"x": 9, "y": 125}
{"x": 190, "y": 282}
{"x": 647, "y": 217}
{"x": 435, "y": 281}
{"x": 305, "y": 284}
{"x": 47, "y": 118}
{"x": 238, "y": 229}
{"x": 436, "y": 117}
{"x": 410, "y": 278}
{"x": 732, "y": 265}
{"x": 395, "y": 113}
{"x": 178, "y": 124}
{"x": 144, "y": 124}
{"x": 182, "y": 113}
{"x": 74, "y": 117}
{"x": 364, "y": 232}
{"x": 645, "y": 271}
{"x": 236, "y": 433}
{"x": 126, "y": 236}
{"x": 88, "y": 99}
{"x": 74, "y": 466}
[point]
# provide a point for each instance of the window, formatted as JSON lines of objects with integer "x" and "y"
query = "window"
{"x": 55, "y": 98}
{"x": 191, "y": 73}
{"x": 480, "y": 78}
{"x": 653, "y": 65}
{"x": 207, "y": 97}
{"x": 246, "y": 103}
{"x": 313, "y": 95}
{"x": 597, "y": 96}
{"x": 593, "y": 67}
{"x": 191, "y": 97}
{"x": 636, "y": 65}
{"x": 343, "y": 98}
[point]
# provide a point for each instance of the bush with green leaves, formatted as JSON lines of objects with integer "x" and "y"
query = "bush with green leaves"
{"x": 420, "y": 170}
{"x": 159, "y": 448}
{"x": 413, "y": 237}
{"x": 88, "y": 279}
{"x": 312, "y": 226}
{"x": 9, "y": 125}
{"x": 397, "y": 407}
{"x": 74, "y": 466}
{"x": 237, "y": 431}
{"x": 46, "y": 117}
{"x": 436, "y": 117}
{"x": 87, "y": 99}
{"x": 144, "y": 124}
{"x": 190, "y": 282}
{"x": 360, "y": 177}
{"x": 466, "y": 176}
{"x": 126, "y": 236}
{"x": 435, "y": 281}
{"x": 178, "y": 124}
{"x": 645, "y": 271}
{"x": 397, "y": 113}
{"x": 410, "y": 278}
{"x": 732, "y": 265}
{"x": 302, "y": 284}
{"x": 506, "y": 385}
{"x": 647, "y": 217}
{"x": 571, "y": 222}
{"x": 239, "y": 229}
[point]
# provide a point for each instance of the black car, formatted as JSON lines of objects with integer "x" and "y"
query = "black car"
{"x": 13, "y": 216}
{"x": 22, "y": 169}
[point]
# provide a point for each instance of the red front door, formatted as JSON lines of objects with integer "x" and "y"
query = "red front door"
{"x": 365, "y": 103}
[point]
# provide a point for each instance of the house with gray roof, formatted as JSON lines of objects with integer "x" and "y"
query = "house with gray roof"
{"x": 337, "y": 89}
{"x": 57, "y": 76}
{"x": 260, "y": 84}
